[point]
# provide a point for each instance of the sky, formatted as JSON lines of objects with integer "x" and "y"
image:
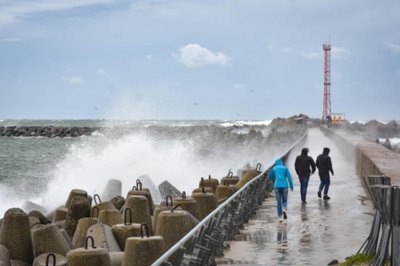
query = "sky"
{"x": 209, "y": 59}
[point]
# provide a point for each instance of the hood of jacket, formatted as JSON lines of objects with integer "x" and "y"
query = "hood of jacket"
{"x": 278, "y": 162}
{"x": 304, "y": 151}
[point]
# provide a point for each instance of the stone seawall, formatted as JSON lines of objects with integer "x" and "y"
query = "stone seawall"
{"x": 371, "y": 158}
{"x": 46, "y": 131}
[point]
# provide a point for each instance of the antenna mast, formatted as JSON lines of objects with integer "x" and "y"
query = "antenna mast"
{"x": 327, "y": 81}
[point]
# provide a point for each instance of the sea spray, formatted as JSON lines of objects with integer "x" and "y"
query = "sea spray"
{"x": 91, "y": 164}
{"x": 179, "y": 151}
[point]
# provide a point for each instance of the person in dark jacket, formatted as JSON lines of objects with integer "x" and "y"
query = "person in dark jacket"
{"x": 304, "y": 166}
{"x": 324, "y": 165}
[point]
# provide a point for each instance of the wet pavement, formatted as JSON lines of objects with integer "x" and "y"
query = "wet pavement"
{"x": 315, "y": 233}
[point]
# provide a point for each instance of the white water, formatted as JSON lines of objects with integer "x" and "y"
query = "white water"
{"x": 91, "y": 164}
{"x": 244, "y": 123}
{"x": 181, "y": 156}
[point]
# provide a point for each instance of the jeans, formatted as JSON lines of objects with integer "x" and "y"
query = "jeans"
{"x": 303, "y": 187}
{"x": 325, "y": 182}
{"x": 281, "y": 199}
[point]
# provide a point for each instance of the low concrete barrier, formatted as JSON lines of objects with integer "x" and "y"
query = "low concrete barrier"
{"x": 371, "y": 158}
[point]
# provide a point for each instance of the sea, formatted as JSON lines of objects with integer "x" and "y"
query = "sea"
{"x": 44, "y": 170}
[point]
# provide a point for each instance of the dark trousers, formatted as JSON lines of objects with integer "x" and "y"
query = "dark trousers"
{"x": 325, "y": 182}
{"x": 303, "y": 186}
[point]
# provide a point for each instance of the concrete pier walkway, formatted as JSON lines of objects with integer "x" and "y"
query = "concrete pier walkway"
{"x": 315, "y": 233}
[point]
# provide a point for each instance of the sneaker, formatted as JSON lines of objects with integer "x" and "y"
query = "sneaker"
{"x": 319, "y": 194}
{"x": 304, "y": 202}
{"x": 284, "y": 214}
{"x": 326, "y": 197}
{"x": 280, "y": 220}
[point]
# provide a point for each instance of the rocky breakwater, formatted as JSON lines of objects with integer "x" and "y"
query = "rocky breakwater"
{"x": 287, "y": 130}
{"x": 387, "y": 134}
{"x": 46, "y": 131}
{"x": 375, "y": 129}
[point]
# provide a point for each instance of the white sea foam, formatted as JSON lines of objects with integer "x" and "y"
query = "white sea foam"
{"x": 363, "y": 122}
{"x": 91, "y": 164}
{"x": 8, "y": 199}
{"x": 97, "y": 134}
{"x": 246, "y": 123}
{"x": 395, "y": 141}
{"x": 392, "y": 141}
{"x": 182, "y": 159}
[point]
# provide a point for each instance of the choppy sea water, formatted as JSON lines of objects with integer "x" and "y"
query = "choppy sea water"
{"x": 44, "y": 170}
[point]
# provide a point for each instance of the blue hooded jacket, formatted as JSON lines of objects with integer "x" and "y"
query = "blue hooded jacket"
{"x": 280, "y": 174}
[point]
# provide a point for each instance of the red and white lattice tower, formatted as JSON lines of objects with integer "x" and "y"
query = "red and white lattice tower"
{"x": 327, "y": 81}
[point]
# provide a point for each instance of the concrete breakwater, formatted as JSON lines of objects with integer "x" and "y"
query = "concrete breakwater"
{"x": 371, "y": 158}
{"x": 46, "y": 131}
{"x": 87, "y": 231}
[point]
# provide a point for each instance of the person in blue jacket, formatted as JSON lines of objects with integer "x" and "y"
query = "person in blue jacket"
{"x": 281, "y": 176}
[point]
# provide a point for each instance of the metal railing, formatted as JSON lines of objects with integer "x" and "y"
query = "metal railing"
{"x": 383, "y": 241}
{"x": 205, "y": 241}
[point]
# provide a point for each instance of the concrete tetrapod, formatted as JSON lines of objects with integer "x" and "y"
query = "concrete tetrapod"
{"x": 60, "y": 214}
{"x": 225, "y": 191}
{"x": 4, "y": 256}
{"x": 103, "y": 237}
{"x": 210, "y": 182}
{"x": 77, "y": 209}
{"x": 167, "y": 189}
{"x": 125, "y": 230}
{"x": 143, "y": 251}
{"x": 43, "y": 219}
{"x": 78, "y": 241}
{"x": 140, "y": 211}
{"x": 20, "y": 263}
{"x": 110, "y": 217}
{"x": 248, "y": 175}
{"x": 173, "y": 225}
{"x": 100, "y": 206}
{"x": 50, "y": 259}
{"x": 66, "y": 237}
{"x": 164, "y": 206}
{"x": 33, "y": 221}
{"x": 15, "y": 235}
{"x": 113, "y": 188}
{"x": 118, "y": 202}
{"x": 88, "y": 256}
{"x": 203, "y": 190}
{"x": 206, "y": 203}
{"x": 48, "y": 238}
{"x": 187, "y": 204}
{"x": 154, "y": 191}
{"x": 139, "y": 191}
{"x": 193, "y": 220}
{"x": 116, "y": 258}
{"x": 229, "y": 179}
{"x": 73, "y": 194}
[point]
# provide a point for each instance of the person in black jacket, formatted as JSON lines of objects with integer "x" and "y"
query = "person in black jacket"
{"x": 324, "y": 165}
{"x": 304, "y": 166}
